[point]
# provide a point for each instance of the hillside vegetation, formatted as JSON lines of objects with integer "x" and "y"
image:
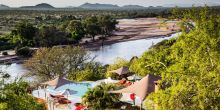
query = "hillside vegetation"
{"x": 189, "y": 65}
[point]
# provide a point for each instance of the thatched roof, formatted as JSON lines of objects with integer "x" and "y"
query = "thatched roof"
{"x": 121, "y": 71}
{"x": 57, "y": 82}
{"x": 141, "y": 88}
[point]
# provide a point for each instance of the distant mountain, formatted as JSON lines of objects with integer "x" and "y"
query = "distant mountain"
{"x": 70, "y": 7}
{"x": 190, "y": 5}
{"x": 133, "y": 7}
{"x": 4, "y": 6}
{"x": 42, "y": 6}
{"x": 98, "y": 6}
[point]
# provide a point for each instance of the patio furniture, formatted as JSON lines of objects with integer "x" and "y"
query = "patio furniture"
{"x": 141, "y": 88}
{"x": 56, "y": 96}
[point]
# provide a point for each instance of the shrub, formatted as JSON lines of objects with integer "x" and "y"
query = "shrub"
{"x": 93, "y": 71}
{"x": 6, "y": 47}
{"x": 4, "y": 53}
{"x": 113, "y": 76}
{"x": 15, "y": 97}
{"x": 3, "y": 106}
{"x": 24, "y": 51}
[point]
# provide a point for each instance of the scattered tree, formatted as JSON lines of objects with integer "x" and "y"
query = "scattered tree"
{"x": 76, "y": 29}
{"x": 91, "y": 26}
{"x": 48, "y": 63}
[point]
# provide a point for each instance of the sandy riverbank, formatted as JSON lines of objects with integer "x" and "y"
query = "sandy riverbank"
{"x": 128, "y": 30}
{"x": 135, "y": 29}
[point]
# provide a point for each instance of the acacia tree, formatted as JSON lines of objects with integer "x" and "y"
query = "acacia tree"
{"x": 48, "y": 63}
{"x": 107, "y": 24}
{"x": 49, "y": 36}
{"x": 91, "y": 26}
{"x": 76, "y": 29}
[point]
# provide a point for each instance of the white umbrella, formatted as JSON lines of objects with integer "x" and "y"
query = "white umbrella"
{"x": 134, "y": 77}
{"x": 68, "y": 92}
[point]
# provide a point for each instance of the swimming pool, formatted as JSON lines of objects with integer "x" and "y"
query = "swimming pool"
{"x": 79, "y": 88}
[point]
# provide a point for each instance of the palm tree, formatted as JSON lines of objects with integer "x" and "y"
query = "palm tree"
{"x": 100, "y": 98}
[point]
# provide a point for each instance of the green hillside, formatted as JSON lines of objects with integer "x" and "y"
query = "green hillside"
{"x": 189, "y": 65}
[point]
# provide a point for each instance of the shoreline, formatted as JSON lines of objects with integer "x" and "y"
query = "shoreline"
{"x": 93, "y": 46}
{"x": 134, "y": 29}
{"x": 127, "y": 30}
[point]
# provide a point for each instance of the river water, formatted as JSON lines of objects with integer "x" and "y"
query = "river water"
{"x": 106, "y": 54}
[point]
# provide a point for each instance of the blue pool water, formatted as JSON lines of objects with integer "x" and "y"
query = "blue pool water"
{"x": 79, "y": 88}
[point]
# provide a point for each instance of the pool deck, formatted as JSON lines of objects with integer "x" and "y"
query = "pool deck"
{"x": 76, "y": 99}
{"x": 44, "y": 94}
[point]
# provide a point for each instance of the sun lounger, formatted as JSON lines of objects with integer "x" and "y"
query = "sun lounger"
{"x": 64, "y": 101}
{"x": 128, "y": 83}
{"x": 56, "y": 96}
{"x": 61, "y": 101}
{"x": 122, "y": 81}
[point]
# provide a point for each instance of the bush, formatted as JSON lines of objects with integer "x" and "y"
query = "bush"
{"x": 24, "y": 51}
{"x": 92, "y": 72}
{"x": 5, "y": 44}
{"x": 4, "y": 53}
{"x": 113, "y": 76}
{"x": 15, "y": 97}
{"x": 190, "y": 65}
{"x": 3, "y": 106}
{"x": 6, "y": 47}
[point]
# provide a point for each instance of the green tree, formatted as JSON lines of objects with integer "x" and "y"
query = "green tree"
{"x": 91, "y": 72}
{"x": 48, "y": 63}
{"x": 107, "y": 25}
{"x": 14, "y": 96}
{"x": 49, "y": 36}
{"x": 24, "y": 33}
{"x": 92, "y": 26}
{"x": 76, "y": 29}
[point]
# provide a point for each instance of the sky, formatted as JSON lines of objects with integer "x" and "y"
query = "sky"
{"x": 65, "y": 3}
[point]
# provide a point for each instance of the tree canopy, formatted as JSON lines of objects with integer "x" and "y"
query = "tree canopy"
{"x": 100, "y": 98}
{"x": 189, "y": 65}
{"x": 92, "y": 27}
{"x": 15, "y": 96}
{"x": 48, "y": 63}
